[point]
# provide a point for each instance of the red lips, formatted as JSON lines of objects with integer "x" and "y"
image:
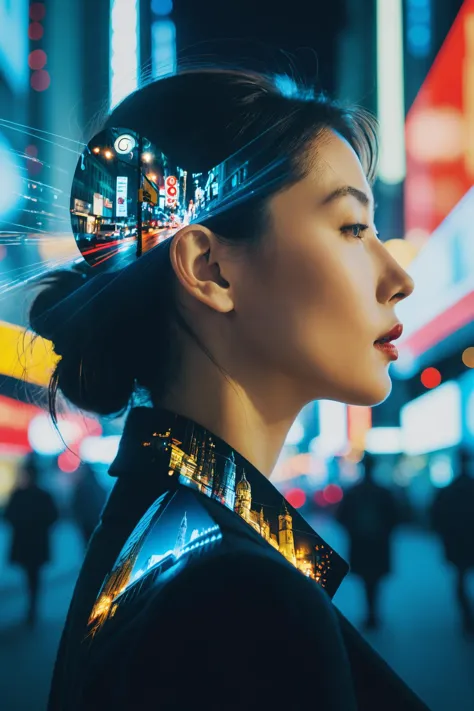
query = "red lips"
{"x": 392, "y": 335}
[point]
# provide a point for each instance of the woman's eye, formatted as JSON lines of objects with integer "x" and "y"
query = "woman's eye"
{"x": 355, "y": 230}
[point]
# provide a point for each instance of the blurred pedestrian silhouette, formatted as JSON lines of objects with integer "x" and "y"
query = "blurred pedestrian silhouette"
{"x": 369, "y": 513}
{"x": 452, "y": 517}
{"x": 31, "y": 512}
{"x": 88, "y": 500}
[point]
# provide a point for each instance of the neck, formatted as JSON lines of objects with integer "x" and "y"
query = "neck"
{"x": 248, "y": 412}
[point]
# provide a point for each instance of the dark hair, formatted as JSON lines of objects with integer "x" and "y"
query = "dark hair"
{"x": 112, "y": 349}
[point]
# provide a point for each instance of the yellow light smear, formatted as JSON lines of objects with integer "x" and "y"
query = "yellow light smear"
{"x": 23, "y": 358}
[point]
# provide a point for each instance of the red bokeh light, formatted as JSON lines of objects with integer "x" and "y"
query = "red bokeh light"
{"x": 37, "y": 11}
{"x": 35, "y": 31}
{"x": 37, "y": 59}
{"x": 332, "y": 493}
{"x": 296, "y": 497}
{"x": 31, "y": 151}
{"x": 40, "y": 80}
{"x": 319, "y": 499}
{"x": 68, "y": 462}
{"x": 430, "y": 377}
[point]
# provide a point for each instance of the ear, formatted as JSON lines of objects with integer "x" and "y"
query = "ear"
{"x": 196, "y": 257}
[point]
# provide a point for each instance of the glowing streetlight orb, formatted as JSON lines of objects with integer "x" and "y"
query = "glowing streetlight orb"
{"x": 96, "y": 150}
{"x": 468, "y": 357}
{"x": 147, "y": 157}
{"x": 108, "y": 154}
{"x": 402, "y": 251}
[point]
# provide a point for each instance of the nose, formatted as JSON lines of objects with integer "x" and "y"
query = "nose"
{"x": 395, "y": 284}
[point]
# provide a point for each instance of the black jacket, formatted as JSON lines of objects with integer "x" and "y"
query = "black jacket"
{"x": 203, "y": 589}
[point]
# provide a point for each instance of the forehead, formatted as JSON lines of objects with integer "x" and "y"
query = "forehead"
{"x": 334, "y": 164}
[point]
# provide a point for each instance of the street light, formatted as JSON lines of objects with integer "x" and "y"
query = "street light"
{"x": 147, "y": 157}
{"x": 108, "y": 154}
{"x": 96, "y": 150}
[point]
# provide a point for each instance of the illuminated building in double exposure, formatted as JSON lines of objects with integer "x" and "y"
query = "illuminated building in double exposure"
{"x": 121, "y": 575}
{"x": 311, "y": 561}
{"x": 197, "y": 467}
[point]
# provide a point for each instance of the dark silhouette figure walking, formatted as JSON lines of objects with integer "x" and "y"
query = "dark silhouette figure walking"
{"x": 31, "y": 511}
{"x": 87, "y": 502}
{"x": 452, "y": 518}
{"x": 369, "y": 512}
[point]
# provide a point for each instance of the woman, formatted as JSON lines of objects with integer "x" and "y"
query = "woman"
{"x": 202, "y": 588}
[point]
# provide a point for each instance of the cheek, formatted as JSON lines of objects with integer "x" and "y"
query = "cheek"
{"x": 321, "y": 292}
{"x": 311, "y": 305}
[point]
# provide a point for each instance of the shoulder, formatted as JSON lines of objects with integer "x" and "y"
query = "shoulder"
{"x": 261, "y": 577}
{"x": 247, "y": 616}
{"x": 251, "y": 593}
{"x": 233, "y": 631}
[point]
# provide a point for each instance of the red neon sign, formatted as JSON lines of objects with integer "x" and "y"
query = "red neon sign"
{"x": 439, "y": 133}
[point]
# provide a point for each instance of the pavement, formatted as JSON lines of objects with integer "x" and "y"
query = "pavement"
{"x": 420, "y": 637}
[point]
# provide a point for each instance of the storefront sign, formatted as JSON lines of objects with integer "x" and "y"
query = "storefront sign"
{"x": 122, "y": 191}
{"x": 82, "y": 207}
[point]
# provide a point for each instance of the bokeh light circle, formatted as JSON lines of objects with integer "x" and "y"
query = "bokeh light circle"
{"x": 40, "y": 80}
{"x": 332, "y": 493}
{"x": 296, "y": 497}
{"x": 468, "y": 357}
{"x": 430, "y": 377}
{"x": 37, "y": 59}
{"x": 319, "y": 499}
{"x": 37, "y": 11}
{"x": 31, "y": 151}
{"x": 35, "y": 31}
{"x": 68, "y": 462}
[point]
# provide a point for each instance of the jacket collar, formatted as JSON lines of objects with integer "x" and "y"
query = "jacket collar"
{"x": 173, "y": 450}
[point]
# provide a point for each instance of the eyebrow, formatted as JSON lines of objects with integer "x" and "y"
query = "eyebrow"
{"x": 345, "y": 190}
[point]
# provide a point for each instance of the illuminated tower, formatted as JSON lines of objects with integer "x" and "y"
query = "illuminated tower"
{"x": 243, "y": 498}
{"x": 181, "y": 536}
{"x": 285, "y": 534}
{"x": 226, "y": 493}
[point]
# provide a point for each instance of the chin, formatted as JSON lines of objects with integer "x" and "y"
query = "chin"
{"x": 376, "y": 394}
{"x": 368, "y": 394}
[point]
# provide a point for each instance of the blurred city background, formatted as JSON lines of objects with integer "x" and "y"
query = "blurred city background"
{"x": 411, "y": 62}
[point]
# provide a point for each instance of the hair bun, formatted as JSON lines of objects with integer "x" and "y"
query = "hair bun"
{"x": 46, "y": 318}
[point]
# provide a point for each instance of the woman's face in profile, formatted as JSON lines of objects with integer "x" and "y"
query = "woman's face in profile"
{"x": 321, "y": 287}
